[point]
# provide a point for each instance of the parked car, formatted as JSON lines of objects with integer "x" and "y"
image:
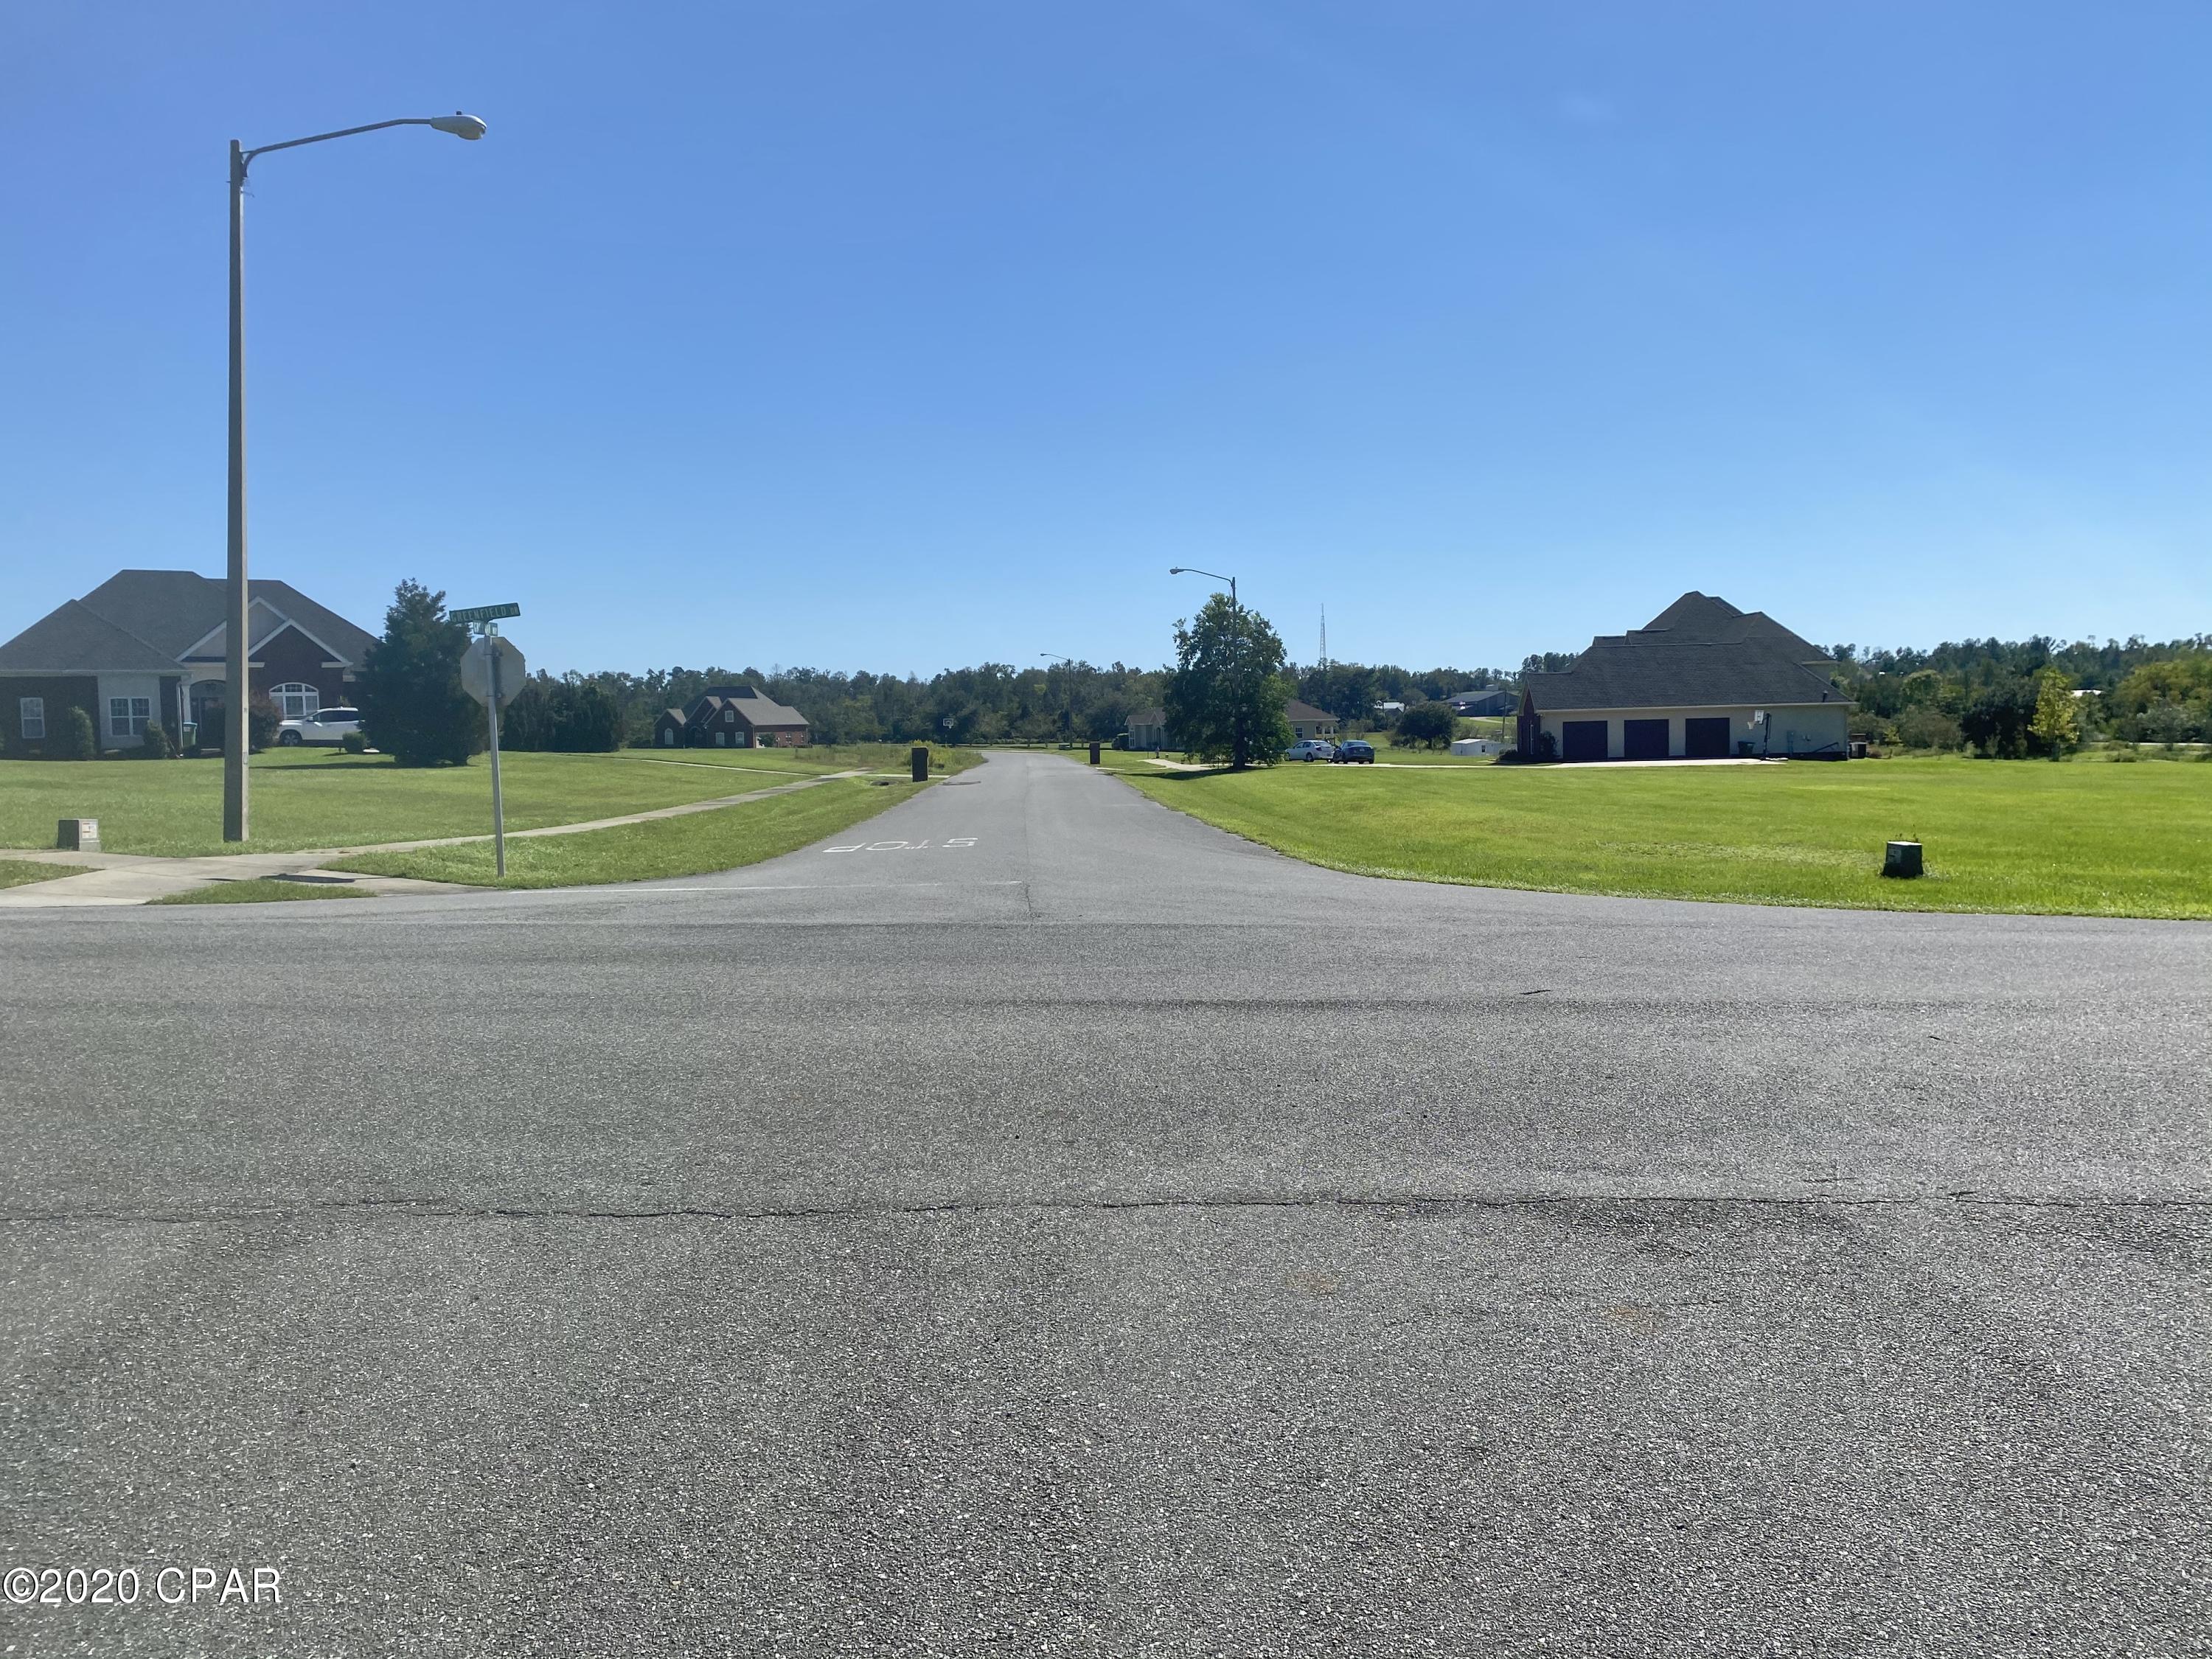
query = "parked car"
{"x": 1354, "y": 752}
{"x": 326, "y": 725}
{"x": 1311, "y": 748}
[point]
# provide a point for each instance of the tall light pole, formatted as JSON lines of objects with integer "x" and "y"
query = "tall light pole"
{"x": 236, "y": 602}
{"x": 1235, "y": 610}
{"x": 1192, "y": 570}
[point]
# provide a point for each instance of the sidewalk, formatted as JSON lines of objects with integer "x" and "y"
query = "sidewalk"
{"x": 139, "y": 878}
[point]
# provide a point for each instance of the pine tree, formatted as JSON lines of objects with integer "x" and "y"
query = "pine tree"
{"x": 412, "y": 706}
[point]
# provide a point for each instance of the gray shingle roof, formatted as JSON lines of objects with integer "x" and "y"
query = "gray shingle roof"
{"x": 1699, "y": 652}
{"x": 1295, "y": 710}
{"x": 1640, "y": 672}
{"x": 754, "y": 708}
{"x": 74, "y": 639}
{"x": 1707, "y": 616}
{"x": 168, "y": 612}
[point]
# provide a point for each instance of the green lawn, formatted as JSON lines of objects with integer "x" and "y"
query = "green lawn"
{"x": 15, "y": 873}
{"x": 323, "y": 797}
{"x": 2087, "y": 839}
{"x": 260, "y": 892}
{"x": 695, "y": 844}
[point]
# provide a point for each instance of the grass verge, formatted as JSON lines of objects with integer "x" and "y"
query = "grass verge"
{"x": 696, "y": 844}
{"x": 260, "y": 890}
{"x": 17, "y": 872}
{"x": 2022, "y": 837}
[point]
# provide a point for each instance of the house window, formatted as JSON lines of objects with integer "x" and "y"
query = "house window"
{"x": 296, "y": 701}
{"x": 668, "y": 737}
{"x": 127, "y": 716}
{"x": 721, "y": 740}
{"x": 31, "y": 715}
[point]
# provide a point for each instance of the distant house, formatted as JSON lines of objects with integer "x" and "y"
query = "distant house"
{"x": 731, "y": 717}
{"x": 1148, "y": 728}
{"x": 1700, "y": 679}
{"x": 148, "y": 645}
{"x": 1308, "y": 721}
{"x": 1481, "y": 700}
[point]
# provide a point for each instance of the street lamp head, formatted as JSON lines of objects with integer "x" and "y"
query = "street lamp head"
{"x": 1175, "y": 570}
{"x": 460, "y": 125}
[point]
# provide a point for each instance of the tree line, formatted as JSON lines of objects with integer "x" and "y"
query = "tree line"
{"x": 1985, "y": 695}
{"x": 1225, "y": 692}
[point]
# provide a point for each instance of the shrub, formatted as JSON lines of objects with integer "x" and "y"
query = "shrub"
{"x": 155, "y": 745}
{"x": 1924, "y": 726}
{"x": 354, "y": 744}
{"x": 261, "y": 722}
{"x": 72, "y": 737}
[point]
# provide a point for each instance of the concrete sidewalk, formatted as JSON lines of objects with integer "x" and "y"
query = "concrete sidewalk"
{"x": 139, "y": 879}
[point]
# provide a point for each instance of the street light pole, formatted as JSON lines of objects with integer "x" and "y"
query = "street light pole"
{"x": 237, "y": 600}
{"x": 234, "y": 599}
{"x": 1236, "y": 612}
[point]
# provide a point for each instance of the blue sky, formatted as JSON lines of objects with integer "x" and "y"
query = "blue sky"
{"x": 904, "y": 335}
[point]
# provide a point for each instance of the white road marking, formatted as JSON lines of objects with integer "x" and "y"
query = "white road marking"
{"x": 952, "y": 842}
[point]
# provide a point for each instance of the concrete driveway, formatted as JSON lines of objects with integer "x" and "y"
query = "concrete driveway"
{"x": 1041, "y": 1223}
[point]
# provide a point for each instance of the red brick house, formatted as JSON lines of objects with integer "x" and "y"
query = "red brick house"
{"x": 148, "y": 645}
{"x": 731, "y": 717}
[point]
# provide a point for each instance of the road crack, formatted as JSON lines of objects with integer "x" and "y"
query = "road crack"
{"x": 1411, "y": 1203}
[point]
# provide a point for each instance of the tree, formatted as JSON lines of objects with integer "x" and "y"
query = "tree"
{"x": 2055, "y": 722}
{"x": 1224, "y": 696}
{"x": 1431, "y": 724}
{"x": 412, "y": 706}
{"x": 1998, "y": 719}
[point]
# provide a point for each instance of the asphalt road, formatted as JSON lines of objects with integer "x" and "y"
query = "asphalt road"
{"x": 1106, "y": 1238}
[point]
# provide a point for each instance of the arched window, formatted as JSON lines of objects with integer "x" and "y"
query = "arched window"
{"x": 296, "y": 701}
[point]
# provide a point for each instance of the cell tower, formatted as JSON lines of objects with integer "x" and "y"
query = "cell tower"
{"x": 1324, "y": 637}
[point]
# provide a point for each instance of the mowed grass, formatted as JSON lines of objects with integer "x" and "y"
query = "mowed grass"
{"x": 2078, "y": 839}
{"x": 15, "y": 873}
{"x": 325, "y": 797}
{"x": 698, "y": 843}
{"x": 260, "y": 890}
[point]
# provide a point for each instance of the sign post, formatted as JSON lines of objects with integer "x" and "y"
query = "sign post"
{"x": 492, "y": 672}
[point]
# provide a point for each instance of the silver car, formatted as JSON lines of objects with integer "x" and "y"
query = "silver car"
{"x": 1311, "y": 748}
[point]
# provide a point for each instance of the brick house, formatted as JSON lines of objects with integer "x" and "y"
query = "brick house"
{"x": 731, "y": 717}
{"x": 148, "y": 645}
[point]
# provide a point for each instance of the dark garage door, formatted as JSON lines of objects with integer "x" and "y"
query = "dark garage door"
{"x": 1582, "y": 740}
{"x": 1643, "y": 739}
{"x": 1706, "y": 739}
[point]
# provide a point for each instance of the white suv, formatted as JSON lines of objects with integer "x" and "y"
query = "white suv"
{"x": 326, "y": 725}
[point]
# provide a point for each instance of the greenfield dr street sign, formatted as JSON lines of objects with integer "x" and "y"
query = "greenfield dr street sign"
{"x": 483, "y": 613}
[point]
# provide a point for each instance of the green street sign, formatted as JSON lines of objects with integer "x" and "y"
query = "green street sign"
{"x": 484, "y": 613}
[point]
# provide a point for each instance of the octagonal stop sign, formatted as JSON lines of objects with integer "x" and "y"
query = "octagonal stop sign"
{"x": 476, "y": 669}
